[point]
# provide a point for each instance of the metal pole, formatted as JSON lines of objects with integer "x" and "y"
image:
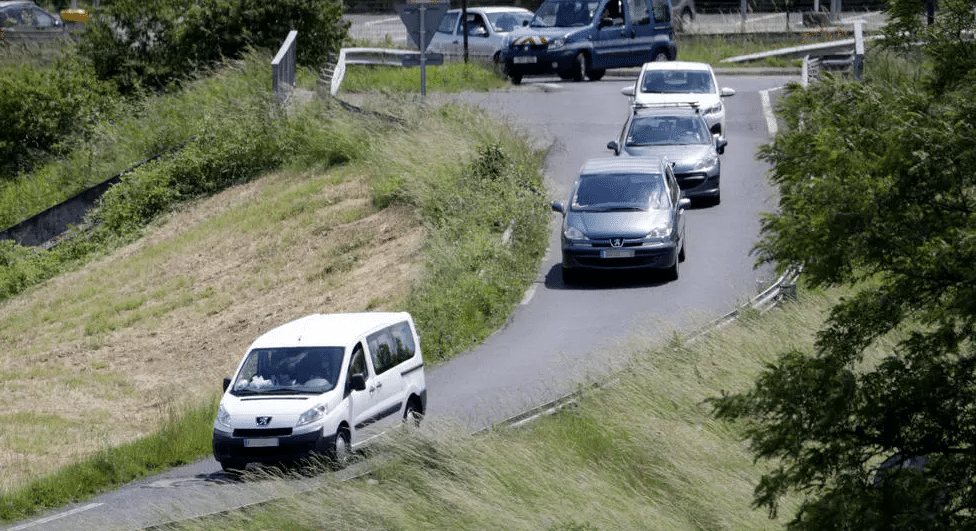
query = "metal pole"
{"x": 464, "y": 27}
{"x": 743, "y": 7}
{"x": 423, "y": 51}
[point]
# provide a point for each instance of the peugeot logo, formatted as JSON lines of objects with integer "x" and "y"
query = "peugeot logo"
{"x": 263, "y": 421}
{"x": 616, "y": 242}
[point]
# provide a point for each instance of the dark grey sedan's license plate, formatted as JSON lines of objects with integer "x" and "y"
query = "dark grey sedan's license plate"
{"x": 617, "y": 253}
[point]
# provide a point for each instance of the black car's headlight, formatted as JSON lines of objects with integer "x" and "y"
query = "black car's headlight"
{"x": 573, "y": 234}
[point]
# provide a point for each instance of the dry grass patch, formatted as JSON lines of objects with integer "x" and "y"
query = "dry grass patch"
{"x": 140, "y": 333}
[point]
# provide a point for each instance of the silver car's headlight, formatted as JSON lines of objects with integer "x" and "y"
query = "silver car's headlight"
{"x": 557, "y": 43}
{"x": 572, "y": 233}
{"x": 714, "y": 109}
{"x": 705, "y": 163}
{"x": 312, "y": 415}
{"x": 223, "y": 418}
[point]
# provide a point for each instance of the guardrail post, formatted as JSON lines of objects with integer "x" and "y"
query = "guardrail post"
{"x": 283, "y": 68}
{"x": 858, "y": 49}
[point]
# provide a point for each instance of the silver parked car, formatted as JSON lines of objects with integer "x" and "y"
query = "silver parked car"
{"x": 486, "y": 28}
{"x": 624, "y": 213}
{"x": 25, "y": 22}
{"x": 680, "y": 133}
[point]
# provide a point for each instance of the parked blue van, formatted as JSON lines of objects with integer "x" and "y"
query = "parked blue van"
{"x": 583, "y": 38}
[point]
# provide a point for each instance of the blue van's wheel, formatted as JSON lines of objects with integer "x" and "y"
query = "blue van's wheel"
{"x": 582, "y": 65}
{"x": 596, "y": 74}
{"x": 661, "y": 56}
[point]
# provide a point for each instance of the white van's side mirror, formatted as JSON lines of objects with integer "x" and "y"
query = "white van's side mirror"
{"x": 226, "y": 383}
{"x": 357, "y": 382}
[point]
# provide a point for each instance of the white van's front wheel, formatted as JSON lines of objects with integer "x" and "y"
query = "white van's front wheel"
{"x": 341, "y": 452}
{"x": 412, "y": 416}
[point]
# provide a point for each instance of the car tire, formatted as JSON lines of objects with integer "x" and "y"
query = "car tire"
{"x": 681, "y": 253}
{"x": 661, "y": 56}
{"x": 341, "y": 453}
{"x": 671, "y": 273}
{"x": 582, "y": 65}
{"x": 570, "y": 276}
{"x": 412, "y": 415}
{"x": 596, "y": 74}
{"x": 516, "y": 79}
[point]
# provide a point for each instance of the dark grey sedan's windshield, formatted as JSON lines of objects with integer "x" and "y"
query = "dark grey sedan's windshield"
{"x": 667, "y": 130}
{"x": 678, "y": 82}
{"x": 564, "y": 14}
{"x": 289, "y": 370}
{"x": 611, "y": 193}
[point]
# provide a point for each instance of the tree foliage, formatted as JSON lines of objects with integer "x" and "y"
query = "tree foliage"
{"x": 152, "y": 45}
{"x": 878, "y": 193}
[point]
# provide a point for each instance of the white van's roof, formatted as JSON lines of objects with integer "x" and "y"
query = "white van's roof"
{"x": 327, "y": 330}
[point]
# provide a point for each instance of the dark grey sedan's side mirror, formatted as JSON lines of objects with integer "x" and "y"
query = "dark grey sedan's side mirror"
{"x": 557, "y": 207}
{"x": 720, "y": 145}
{"x": 614, "y": 146}
{"x": 684, "y": 202}
{"x": 357, "y": 382}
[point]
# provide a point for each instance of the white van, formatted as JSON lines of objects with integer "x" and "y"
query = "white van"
{"x": 321, "y": 385}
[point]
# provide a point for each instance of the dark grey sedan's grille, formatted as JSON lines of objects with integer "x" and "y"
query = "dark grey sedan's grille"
{"x": 689, "y": 180}
{"x": 606, "y": 243}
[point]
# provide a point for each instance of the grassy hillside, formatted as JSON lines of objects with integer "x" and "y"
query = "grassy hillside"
{"x": 358, "y": 212}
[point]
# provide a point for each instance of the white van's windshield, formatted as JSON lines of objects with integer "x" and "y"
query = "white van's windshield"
{"x": 289, "y": 370}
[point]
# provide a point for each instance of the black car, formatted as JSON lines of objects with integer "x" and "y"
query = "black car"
{"x": 25, "y": 22}
{"x": 624, "y": 213}
{"x": 680, "y": 133}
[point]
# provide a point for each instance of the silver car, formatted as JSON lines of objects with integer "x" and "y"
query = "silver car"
{"x": 680, "y": 133}
{"x": 486, "y": 28}
{"x": 624, "y": 213}
{"x": 25, "y": 22}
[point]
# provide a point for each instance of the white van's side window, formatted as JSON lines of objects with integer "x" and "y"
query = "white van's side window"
{"x": 403, "y": 338}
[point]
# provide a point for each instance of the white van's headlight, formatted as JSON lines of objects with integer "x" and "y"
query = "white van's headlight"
{"x": 223, "y": 417}
{"x": 312, "y": 415}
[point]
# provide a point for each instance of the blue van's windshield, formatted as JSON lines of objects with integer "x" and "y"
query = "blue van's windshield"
{"x": 564, "y": 14}
{"x": 289, "y": 370}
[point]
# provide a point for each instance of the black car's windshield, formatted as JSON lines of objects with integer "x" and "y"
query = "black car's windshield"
{"x": 564, "y": 14}
{"x": 289, "y": 370}
{"x": 667, "y": 130}
{"x": 612, "y": 193}
{"x": 677, "y": 82}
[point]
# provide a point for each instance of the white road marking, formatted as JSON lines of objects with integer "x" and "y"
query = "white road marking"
{"x": 56, "y": 517}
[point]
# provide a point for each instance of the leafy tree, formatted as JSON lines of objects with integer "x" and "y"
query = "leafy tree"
{"x": 878, "y": 193}
{"x": 153, "y": 45}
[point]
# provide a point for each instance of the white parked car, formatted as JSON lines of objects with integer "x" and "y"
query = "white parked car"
{"x": 486, "y": 28}
{"x": 679, "y": 82}
{"x": 320, "y": 386}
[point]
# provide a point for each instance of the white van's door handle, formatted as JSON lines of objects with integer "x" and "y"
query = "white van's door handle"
{"x": 379, "y": 384}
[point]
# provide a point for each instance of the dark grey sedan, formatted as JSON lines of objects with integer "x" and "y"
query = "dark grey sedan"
{"x": 680, "y": 134}
{"x": 624, "y": 213}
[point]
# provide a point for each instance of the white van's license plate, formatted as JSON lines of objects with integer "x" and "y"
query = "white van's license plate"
{"x": 523, "y": 59}
{"x": 260, "y": 443}
{"x": 617, "y": 253}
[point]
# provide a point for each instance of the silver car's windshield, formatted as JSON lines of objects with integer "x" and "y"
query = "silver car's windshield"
{"x": 564, "y": 14}
{"x": 289, "y": 370}
{"x": 667, "y": 130}
{"x": 620, "y": 193}
{"x": 506, "y": 21}
{"x": 677, "y": 82}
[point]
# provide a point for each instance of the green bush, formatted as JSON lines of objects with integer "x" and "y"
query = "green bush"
{"x": 154, "y": 45}
{"x": 45, "y": 109}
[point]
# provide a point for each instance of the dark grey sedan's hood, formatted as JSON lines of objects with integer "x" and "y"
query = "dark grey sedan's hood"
{"x": 604, "y": 225}
{"x": 684, "y": 156}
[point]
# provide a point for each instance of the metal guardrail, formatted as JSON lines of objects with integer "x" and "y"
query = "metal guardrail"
{"x": 333, "y": 73}
{"x": 849, "y": 60}
{"x": 283, "y": 68}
